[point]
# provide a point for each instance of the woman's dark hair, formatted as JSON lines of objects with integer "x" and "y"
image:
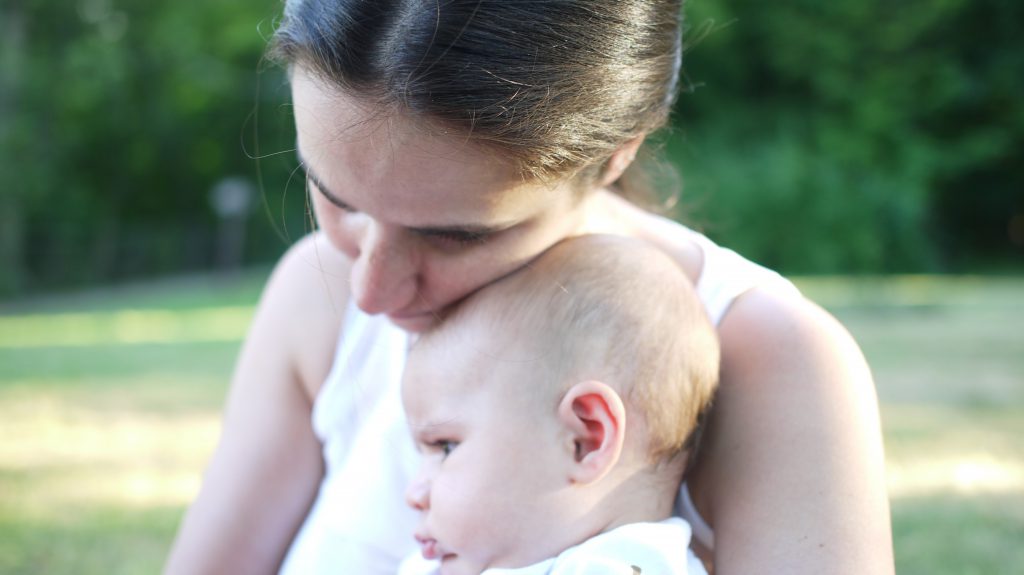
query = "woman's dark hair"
{"x": 557, "y": 85}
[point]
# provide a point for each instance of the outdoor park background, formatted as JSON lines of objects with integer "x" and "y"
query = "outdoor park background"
{"x": 872, "y": 149}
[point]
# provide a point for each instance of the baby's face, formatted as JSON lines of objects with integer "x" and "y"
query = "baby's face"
{"x": 492, "y": 485}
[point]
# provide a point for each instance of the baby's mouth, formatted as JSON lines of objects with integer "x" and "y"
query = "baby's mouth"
{"x": 429, "y": 547}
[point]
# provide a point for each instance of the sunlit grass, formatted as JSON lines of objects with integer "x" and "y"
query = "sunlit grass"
{"x": 109, "y": 456}
{"x": 110, "y": 405}
{"x": 934, "y": 450}
{"x": 93, "y": 478}
{"x": 125, "y": 327}
{"x": 948, "y": 358}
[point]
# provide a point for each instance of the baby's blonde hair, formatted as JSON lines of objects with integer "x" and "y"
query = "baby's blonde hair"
{"x": 615, "y": 310}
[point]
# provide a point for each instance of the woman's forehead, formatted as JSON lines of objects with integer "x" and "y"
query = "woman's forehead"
{"x": 366, "y": 158}
{"x": 329, "y": 118}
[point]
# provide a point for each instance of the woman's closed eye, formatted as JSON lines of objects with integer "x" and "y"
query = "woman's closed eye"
{"x": 454, "y": 238}
{"x": 315, "y": 184}
{"x": 442, "y": 238}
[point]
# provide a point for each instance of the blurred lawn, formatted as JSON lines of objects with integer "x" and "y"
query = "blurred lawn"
{"x": 109, "y": 405}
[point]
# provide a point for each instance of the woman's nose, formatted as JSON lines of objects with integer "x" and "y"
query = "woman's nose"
{"x": 417, "y": 495}
{"x": 384, "y": 273}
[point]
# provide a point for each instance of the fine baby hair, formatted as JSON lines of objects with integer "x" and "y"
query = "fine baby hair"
{"x": 555, "y": 86}
{"x": 615, "y": 310}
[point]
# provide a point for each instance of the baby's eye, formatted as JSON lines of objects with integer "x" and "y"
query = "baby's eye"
{"x": 444, "y": 446}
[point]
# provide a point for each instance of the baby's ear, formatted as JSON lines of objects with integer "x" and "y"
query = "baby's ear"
{"x": 595, "y": 417}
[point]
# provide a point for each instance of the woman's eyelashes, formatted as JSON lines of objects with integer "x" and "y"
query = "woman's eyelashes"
{"x": 443, "y": 238}
{"x": 458, "y": 238}
{"x": 329, "y": 196}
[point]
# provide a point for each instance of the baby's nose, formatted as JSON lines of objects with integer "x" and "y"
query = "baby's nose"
{"x": 417, "y": 495}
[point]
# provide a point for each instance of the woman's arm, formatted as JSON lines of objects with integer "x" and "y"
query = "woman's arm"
{"x": 265, "y": 472}
{"x": 791, "y": 476}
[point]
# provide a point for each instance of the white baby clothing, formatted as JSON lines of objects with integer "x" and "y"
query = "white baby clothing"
{"x": 654, "y": 548}
{"x": 660, "y": 548}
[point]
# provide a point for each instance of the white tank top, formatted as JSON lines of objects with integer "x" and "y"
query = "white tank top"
{"x": 359, "y": 522}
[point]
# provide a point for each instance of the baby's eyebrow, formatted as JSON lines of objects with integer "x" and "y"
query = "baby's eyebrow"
{"x": 424, "y": 428}
{"x": 432, "y": 426}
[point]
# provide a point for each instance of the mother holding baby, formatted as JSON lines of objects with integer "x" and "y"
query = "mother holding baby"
{"x": 447, "y": 144}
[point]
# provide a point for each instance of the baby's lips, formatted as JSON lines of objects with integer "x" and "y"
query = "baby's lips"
{"x": 428, "y": 547}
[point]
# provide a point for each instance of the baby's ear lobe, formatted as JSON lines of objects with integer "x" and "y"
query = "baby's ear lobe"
{"x": 595, "y": 417}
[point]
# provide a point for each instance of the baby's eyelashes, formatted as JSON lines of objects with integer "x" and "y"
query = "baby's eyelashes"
{"x": 443, "y": 446}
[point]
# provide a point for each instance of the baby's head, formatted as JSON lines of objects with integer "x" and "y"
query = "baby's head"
{"x": 557, "y": 403}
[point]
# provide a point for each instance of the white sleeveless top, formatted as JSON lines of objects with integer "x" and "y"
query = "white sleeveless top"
{"x": 360, "y": 522}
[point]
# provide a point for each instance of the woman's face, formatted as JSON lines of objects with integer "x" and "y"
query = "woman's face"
{"x": 426, "y": 217}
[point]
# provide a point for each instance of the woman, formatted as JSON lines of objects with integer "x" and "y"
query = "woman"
{"x": 447, "y": 144}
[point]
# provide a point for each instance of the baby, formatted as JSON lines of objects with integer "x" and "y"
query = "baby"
{"x": 556, "y": 410}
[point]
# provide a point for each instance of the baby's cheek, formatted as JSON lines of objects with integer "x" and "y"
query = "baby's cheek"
{"x": 466, "y": 515}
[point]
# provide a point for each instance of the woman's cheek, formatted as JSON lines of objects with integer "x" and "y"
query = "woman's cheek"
{"x": 343, "y": 232}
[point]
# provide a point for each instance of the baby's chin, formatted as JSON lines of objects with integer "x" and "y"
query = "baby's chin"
{"x": 457, "y": 565}
{"x": 453, "y": 564}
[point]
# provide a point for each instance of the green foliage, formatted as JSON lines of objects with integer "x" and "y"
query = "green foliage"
{"x": 123, "y": 115}
{"x": 856, "y": 136}
{"x": 835, "y": 136}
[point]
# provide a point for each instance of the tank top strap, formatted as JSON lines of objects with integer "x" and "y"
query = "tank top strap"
{"x": 727, "y": 275}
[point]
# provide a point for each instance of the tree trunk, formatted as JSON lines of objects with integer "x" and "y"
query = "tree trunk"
{"x": 12, "y": 229}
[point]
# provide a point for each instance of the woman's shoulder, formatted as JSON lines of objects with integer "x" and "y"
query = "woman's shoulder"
{"x": 792, "y": 333}
{"x": 796, "y": 430}
{"x": 304, "y": 303}
{"x": 720, "y": 275}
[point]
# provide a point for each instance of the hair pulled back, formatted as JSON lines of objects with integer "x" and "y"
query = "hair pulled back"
{"x": 556, "y": 85}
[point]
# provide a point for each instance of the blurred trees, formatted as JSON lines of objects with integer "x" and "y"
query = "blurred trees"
{"x": 817, "y": 137}
{"x": 857, "y": 135}
{"x": 119, "y": 117}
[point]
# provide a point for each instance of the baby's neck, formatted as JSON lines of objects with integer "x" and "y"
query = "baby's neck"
{"x": 642, "y": 496}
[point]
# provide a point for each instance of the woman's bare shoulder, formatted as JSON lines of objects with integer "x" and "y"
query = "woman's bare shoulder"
{"x": 790, "y": 332}
{"x": 794, "y": 445}
{"x": 304, "y": 303}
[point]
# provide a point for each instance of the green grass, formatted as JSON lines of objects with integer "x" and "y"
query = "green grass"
{"x": 948, "y": 359}
{"x": 110, "y": 403}
{"x": 109, "y": 407}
